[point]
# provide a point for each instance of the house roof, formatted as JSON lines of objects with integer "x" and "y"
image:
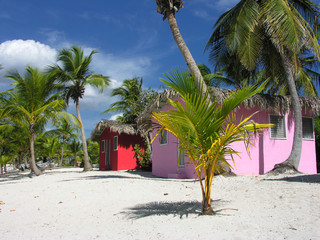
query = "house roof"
{"x": 115, "y": 126}
{"x": 263, "y": 101}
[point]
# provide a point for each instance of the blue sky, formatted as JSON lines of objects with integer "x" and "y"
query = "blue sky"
{"x": 130, "y": 36}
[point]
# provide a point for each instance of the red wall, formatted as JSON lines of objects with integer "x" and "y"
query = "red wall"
{"x": 123, "y": 158}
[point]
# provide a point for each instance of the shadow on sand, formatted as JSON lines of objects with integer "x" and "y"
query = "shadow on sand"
{"x": 14, "y": 176}
{"x": 130, "y": 174}
{"x": 182, "y": 208}
{"x": 305, "y": 178}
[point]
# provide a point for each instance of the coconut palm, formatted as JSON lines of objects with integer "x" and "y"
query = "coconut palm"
{"x": 168, "y": 9}
{"x": 205, "y": 129}
{"x": 32, "y": 102}
{"x": 133, "y": 100}
{"x": 76, "y": 75}
{"x": 271, "y": 34}
{"x": 65, "y": 130}
{"x": 75, "y": 149}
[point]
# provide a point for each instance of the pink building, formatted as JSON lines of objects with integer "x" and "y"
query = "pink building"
{"x": 270, "y": 148}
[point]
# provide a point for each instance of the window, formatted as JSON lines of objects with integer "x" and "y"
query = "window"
{"x": 103, "y": 146}
{"x": 278, "y": 131}
{"x": 181, "y": 154}
{"x": 307, "y": 128}
{"x": 163, "y": 137}
{"x": 115, "y": 143}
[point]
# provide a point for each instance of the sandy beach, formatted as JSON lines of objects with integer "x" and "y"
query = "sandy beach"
{"x": 71, "y": 204}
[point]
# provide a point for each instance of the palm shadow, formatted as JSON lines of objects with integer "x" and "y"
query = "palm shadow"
{"x": 182, "y": 208}
{"x": 304, "y": 178}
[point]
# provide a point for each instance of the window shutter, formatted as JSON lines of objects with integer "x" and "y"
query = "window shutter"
{"x": 164, "y": 137}
{"x": 307, "y": 128}
{"x": 278, "y": 131}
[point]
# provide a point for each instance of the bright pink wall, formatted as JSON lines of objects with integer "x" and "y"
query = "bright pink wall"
{"x": 126, "y": 159}
{"x": 123, "y": 158}
{"x": 265, "y": 152}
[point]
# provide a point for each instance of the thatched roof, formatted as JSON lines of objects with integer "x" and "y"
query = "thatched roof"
{"x": 263, "y": 101}
{"x": 115, "y": 126}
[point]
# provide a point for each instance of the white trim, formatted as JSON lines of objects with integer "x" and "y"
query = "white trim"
{"x": 313, "y": 137}
{"x": 115, "y": 147}
{"x": 284, "y": 126}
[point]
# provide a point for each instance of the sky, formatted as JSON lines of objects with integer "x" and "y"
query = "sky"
{"x": 131, "y": 37}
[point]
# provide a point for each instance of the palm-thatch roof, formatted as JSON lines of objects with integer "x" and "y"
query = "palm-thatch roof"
{"x": 115, "y": 126}
{"x": 263, "y": 101}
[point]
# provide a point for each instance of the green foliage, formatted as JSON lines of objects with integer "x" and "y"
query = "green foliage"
{"x": 143, "y": 157}
{"x": 250, "y": 40}
{"x": 34, "y": 100}
{"x": 76, "y": 74}
{"x": 206, "y": 130}
{"x": 93, "y": 151}
{"x": 133, "y": 100}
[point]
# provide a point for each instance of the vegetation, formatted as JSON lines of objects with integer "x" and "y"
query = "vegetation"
{"x": 133, "y": 100}
{"x": 204, "y": 129}
{"x": 75, "y": 75}
{"x": 93, "y": 151}
{"x": 32, "y": 102}
{"x": 143, "y": 157}
{"x": 253, "y": 32}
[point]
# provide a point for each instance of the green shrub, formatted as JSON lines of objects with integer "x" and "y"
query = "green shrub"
{"x": 143, "y": 157}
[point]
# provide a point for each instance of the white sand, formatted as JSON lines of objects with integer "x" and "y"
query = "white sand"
{"x": 70, "y": 204}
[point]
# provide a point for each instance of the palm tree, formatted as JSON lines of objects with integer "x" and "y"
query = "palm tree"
{"x": 205, "y": 129}
{"x": 51, "y": 146}
{"x": 75, "y": 148}
{"x": 32, "y": 102}
{"x": 168, "y": 8}
{"x": 133, "y": 100}
{"x": 75, "y": 74}
{"x": 65, "y": 130}
{"x": 271, "y": 34}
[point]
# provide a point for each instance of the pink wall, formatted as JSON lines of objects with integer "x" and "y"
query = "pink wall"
{"x": 123, "y": 158}
{"x": 265, "y": 152}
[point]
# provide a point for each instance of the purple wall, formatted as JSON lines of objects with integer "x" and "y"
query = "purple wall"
{"x": 265, "y": 152}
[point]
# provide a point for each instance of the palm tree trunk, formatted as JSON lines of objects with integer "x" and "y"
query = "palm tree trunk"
{"x": 87, "y": 165}
{"x": 192, "y": 66}
{"x": 61, "y": 158}
{"x": 292, "y": 163}
{"x": 33, "y": 165}
{"x": 75, "y": 160}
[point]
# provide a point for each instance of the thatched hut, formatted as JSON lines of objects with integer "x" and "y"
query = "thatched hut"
{"x": 117, "y": 141}
{"x": 273, "y": 147}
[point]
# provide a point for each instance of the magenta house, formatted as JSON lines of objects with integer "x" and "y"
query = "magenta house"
{"x": 117, "y": 143}
{"x": 270, "y": 148}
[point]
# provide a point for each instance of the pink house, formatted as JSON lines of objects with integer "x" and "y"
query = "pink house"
{"x": 270, "y": 148}
{"x": 117, "y": 143}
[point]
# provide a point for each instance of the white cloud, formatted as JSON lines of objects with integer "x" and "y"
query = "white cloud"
{"x": 121, "y": 67}
{"x": 20, "y": 53}
{"x": 114, "y": 117}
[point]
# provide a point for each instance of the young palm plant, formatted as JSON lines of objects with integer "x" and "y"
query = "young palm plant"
{"x": 205, "y": 129}
{"x": 75, "y": 74}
